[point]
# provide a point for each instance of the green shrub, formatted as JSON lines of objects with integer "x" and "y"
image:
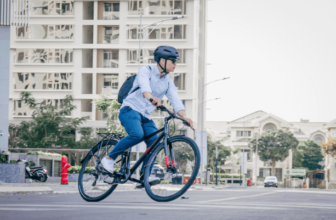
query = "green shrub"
{"x": 31, "y": 163}
{"x": 219, "y": 183}
{"x": 165, "y": 182}
{"x": 43, "y": 153}
{"x": 3, "y": 158}
{"x": 76, "y": 169}
{"x": 228, "y": 175}
{"x": 12, "y": 161}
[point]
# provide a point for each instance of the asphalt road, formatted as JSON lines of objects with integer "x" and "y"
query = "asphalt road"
{"x": 229, "y": 203}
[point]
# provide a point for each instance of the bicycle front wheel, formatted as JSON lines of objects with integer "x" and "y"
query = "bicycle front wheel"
{"x": 92, "y": 184}
{"x": 172, "y": 183}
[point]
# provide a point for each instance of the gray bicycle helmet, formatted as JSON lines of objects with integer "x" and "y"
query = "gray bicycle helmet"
{"x": 165, "y": 52}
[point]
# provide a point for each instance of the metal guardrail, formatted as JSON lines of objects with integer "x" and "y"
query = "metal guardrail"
{"x": 14, "y": 12}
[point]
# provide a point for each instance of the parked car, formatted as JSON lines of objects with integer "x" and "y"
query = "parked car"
{"x": 157, "y": 170}
{"x": 271, "y": 181}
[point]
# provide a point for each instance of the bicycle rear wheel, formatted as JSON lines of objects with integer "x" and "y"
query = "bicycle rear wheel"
{"x": 92, "y": 184}
{"x": 172, "y": 184}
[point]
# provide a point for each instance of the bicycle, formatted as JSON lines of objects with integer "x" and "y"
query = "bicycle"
{"x": 178, "y": 154}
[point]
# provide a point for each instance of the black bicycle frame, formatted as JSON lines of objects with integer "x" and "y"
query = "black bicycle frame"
{"x": 164, "y": 136}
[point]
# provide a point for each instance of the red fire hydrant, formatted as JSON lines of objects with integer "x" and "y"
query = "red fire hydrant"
{"x": 65, "y": 169}
{"x": 249, "y": 182}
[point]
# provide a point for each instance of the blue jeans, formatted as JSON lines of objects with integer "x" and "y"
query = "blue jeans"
{"x": 136, "y": 126}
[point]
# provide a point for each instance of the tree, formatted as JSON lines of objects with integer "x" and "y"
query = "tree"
{"x": 223, "y": 152}
{"x": 50, "y": 127}
{"x": 87, "y": 140}
{"x": 298, "y": 155}
{"x": 111, "y": 108}
{"x": 274, "y": 146}
{"x": 329, "y": 147}
{"x": 308, "y": 154}
{"x": 14, "y": 137}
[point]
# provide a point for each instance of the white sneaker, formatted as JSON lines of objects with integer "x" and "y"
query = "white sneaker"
{"x": 108, "y": 164}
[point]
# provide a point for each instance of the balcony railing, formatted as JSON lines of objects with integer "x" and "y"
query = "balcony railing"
{"x": 111, "y": 39}
{"x": 111, "y": 15}
{"x": 110, "y": 63}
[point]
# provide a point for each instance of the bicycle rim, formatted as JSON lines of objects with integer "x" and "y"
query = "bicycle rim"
{"x": 92, "y": 184}
{"x": 172, "y": 185}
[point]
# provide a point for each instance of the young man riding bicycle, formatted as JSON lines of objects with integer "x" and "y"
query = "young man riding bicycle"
{"x": 135, "y": 111}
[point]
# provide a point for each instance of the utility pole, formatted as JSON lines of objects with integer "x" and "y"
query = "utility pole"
{"x": 256, "y": 160}
{"x": 232, "y": 172}
{"x": 216, "y": 165}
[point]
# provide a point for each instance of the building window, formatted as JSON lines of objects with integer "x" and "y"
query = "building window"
{"x": 107, "y": 83}
{"x": 23, "y": 32}
{"x": 136, "y": 7}
{"x": 147, "y": 57}
{"x": 44, "y": 31}
{"x": 278, "y": 173}
{"x": 318, "y": 139}
{"x": 22, "y": 109}
{"x": 162, "y": 32}
{"x": 248, "y": 152}
{"x": 244, "y": 133}
{"x": 110, "y": 35}
{"x": 111, "y": 59}
{"x": 43, "y": 81}
{"x": 110, "y": 11}
{"x": 264, "y": 172}
{"x": 269, "y": 127}
{"x": 179, "y": 80}
{"x": 157, "y": 7}
{"x": 51, "y": 7}
{"x": 43, "y": 55}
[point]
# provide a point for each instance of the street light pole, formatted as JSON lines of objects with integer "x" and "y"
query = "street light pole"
{"x": 202, "y": 121}
{"x": 216, "y": 165}
{"x": 256, "y": 161}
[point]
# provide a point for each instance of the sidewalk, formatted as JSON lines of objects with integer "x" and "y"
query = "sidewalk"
{"x": 72, "y": 187}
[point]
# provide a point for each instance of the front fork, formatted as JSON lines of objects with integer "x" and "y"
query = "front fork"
{"x": 169, "y": 151}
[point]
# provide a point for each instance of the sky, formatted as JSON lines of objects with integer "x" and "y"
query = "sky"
{"x": 280, "y": 57}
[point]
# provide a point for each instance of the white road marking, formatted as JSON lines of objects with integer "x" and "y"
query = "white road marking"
{"x": 241, "y": 197}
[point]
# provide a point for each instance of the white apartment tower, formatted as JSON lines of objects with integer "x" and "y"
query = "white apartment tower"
{"x": 84, "y": 48}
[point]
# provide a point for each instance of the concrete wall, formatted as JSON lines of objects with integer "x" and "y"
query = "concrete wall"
{"x": 12, "y": 173}
{"x": 4, "y": 85}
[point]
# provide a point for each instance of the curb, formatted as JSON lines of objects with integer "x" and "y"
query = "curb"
{"x": 25, "y": 191}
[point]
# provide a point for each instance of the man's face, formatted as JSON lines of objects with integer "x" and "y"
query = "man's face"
{"x": 170, "y": 64}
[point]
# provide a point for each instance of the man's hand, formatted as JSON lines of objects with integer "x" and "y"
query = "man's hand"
{"x": 183, "y": 115}
{"x": 189, "y": 121}
{"x": 155, "y": 101}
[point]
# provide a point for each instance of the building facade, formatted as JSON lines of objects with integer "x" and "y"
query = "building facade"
{"x": 236, "y": 134}
{"x": 84, "y": 48}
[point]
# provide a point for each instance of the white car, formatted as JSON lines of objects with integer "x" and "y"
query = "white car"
{"x": 271, "y": 181}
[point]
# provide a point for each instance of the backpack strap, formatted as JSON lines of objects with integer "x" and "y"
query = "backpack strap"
{"x": 139, "y": 86}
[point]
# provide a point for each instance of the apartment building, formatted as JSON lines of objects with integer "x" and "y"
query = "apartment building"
{"x": 84, "y": 48}
{"x": 236, "y": 134}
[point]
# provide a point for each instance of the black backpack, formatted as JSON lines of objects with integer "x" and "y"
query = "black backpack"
{"x": 126, "y": 87}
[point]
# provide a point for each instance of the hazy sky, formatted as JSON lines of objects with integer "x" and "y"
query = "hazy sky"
{"x": 280, "y": 55}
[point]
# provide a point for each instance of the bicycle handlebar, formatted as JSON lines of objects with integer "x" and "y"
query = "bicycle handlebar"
{"x": 173, "y": 115}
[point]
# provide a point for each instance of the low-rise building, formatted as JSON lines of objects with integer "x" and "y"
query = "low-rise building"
{"x": 237, "y": 133}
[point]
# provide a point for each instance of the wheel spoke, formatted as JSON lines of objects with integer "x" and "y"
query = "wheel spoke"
{"x": 173, "y": 182}
{"x": 94, "y": 185}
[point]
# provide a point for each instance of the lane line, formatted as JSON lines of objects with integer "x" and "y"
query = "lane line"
{"x": 90, "y": 206}
{"x": 218, "y": 200}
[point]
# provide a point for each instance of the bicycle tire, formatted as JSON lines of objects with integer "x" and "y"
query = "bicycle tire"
{"x": 91, "y": 154}
{"x": 150, "y": 190}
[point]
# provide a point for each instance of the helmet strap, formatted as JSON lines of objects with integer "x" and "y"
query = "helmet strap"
{"x": 164, "y": 70}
